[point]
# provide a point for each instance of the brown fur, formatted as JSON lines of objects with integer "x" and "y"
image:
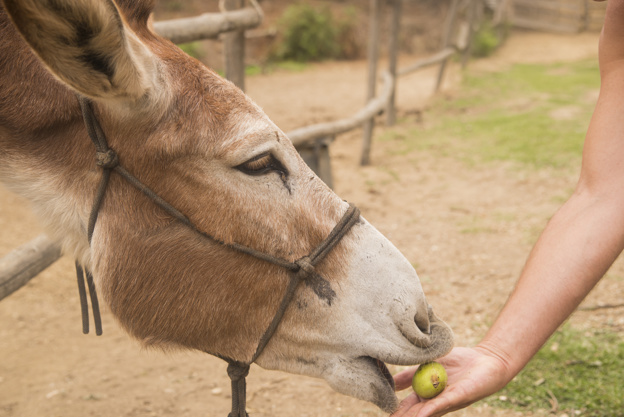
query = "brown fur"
{"x": 165, "y": 284}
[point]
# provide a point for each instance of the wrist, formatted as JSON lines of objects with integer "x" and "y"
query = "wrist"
{"x": 504, "y": 362}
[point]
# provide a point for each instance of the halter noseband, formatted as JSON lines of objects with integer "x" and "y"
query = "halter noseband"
{"x": 300, "y": 269}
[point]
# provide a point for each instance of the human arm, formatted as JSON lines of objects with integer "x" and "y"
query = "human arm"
{"x": 586, "y": 235}
{"x": 576, "y": 248}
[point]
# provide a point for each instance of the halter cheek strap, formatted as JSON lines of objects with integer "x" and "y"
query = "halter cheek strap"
{"x": 237, "y": 371}
{"x": 301, "y": 269}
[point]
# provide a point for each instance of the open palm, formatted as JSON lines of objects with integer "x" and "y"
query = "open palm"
{"x": 473, "y": 374}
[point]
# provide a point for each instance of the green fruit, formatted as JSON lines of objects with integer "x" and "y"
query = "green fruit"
{"x": 429, "y": 380}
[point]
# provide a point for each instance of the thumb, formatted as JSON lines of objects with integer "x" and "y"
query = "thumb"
{"x": 403, "y": 379}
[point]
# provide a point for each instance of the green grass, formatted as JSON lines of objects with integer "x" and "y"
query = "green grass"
{"x": 533, "y": 115}
{"x": 581, "y": 373}
{"x": 291, "y": 66}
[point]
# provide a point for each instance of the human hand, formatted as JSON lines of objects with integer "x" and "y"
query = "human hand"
{"x": 473, "y": 374}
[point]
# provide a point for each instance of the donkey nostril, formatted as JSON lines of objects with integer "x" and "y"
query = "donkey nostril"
{"x": 422, "y": 321}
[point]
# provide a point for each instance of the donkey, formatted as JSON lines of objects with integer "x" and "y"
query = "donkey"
{"x": 206, "y": 148}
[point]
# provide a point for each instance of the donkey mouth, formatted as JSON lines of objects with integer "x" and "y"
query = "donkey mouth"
{"x": 380, "y": 383}
{"x": 384, "y": 395}
{"x": 383, "y": 370}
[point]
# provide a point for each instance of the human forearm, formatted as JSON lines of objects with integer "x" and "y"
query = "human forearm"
{"x": 586, "y": 235}
{"x": 575, "y": 250}
{"x": 572, "y": 254}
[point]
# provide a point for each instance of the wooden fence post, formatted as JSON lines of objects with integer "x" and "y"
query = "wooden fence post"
{"x": 234, "y": 53}
{"x": 448, "y": 31}
{"x": 471, "y": 25}
{"x": 393, "y": 53}
{"x": 324, "y": 161}
{"x": 316, "y": 156}
{"x": 373, "y": 55}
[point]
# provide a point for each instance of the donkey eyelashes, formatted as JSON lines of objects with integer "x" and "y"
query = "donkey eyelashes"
{"x": 262, "y": 164}
{"x": 259, "y": 164}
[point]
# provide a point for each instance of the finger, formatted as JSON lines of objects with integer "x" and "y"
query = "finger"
{"x": 449, "y": 400}
{"x": 403, "y": 379}
{"x": 434, "y": 408}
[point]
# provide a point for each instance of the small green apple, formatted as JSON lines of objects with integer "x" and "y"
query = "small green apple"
{"x": 429, "y": 380}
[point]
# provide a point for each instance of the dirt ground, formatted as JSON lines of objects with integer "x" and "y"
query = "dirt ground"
{"x": 423, "y": 203}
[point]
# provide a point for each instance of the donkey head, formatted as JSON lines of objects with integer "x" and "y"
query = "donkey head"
{"x": 205, "y": 147}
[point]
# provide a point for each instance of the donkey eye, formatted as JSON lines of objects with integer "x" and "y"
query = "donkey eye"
{"x": 262, "y": 164}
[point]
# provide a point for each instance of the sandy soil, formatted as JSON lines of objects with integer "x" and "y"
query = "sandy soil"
{"x": 466, "y": 229}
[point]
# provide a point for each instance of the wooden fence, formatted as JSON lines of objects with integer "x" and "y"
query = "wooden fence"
{"x": 312, "y": 142}
{"x": 569, "y": 16}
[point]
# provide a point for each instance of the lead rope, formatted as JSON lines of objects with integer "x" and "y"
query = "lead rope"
{"x": 301, "y": 269}
{"x": 107, "y": 159}
{"x": 81, "y": 274}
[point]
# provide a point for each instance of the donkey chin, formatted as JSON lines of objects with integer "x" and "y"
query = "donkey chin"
{"x": 379, "y": 315}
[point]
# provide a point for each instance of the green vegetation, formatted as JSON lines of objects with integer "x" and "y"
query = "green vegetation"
{"x": 534, "y": 115}
{"x": 485, "y": 41}
{"x": 291, "y": 66}
{"x": 193, "y": 49}
{"x": 313, "y": 34}
{"x": 575, "y": 373}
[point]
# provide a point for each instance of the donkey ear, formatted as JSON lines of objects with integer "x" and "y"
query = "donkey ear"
{"x": 87, "y": 45}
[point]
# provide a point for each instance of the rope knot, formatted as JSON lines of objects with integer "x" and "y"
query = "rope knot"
{"x": 107, "y": 159}
{"x": 237, "y": 371}
{"x": 305, "y": 264}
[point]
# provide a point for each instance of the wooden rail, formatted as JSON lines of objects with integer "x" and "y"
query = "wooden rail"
{"x": 25, "y": 262}
{"x": 208, "y": 25}
{"x": 374, "y": 106}
{"x": 428, "y": 62}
